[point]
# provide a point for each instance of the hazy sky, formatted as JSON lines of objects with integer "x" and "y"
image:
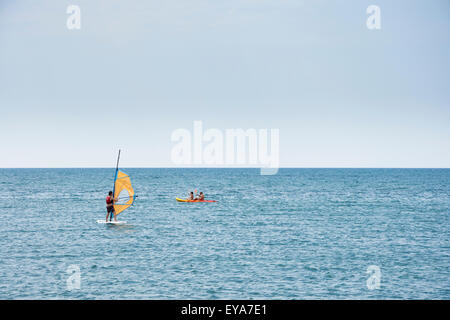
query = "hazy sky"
{"x": 340, "y": 94}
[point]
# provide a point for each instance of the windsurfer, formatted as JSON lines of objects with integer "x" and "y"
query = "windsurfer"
{"x": 110, "y": 206}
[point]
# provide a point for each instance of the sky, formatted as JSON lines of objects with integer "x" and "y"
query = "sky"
{"x": 340, "y": 94}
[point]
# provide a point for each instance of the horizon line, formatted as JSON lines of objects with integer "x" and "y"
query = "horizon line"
{"x": 257, "y": 168}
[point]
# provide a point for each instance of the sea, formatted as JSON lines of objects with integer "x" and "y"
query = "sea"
{"x": 298, "y": 234}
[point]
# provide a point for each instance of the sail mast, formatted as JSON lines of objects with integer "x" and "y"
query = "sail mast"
{"x": 115, "y": 177}
{"x": 117, "y": 165}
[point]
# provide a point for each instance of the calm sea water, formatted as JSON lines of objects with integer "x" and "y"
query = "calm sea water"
{"x": 300, "y": 234}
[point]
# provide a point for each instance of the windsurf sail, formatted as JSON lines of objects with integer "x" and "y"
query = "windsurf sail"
{"x": 123, "y": 190}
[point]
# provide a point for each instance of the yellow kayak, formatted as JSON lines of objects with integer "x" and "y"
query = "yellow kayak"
{"x": 186, "y": 200}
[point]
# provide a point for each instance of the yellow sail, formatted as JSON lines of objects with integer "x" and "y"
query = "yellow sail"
{"x": 123, "y": 192}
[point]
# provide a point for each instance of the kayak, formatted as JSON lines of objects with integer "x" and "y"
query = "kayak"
{"x": 185, "y": 200}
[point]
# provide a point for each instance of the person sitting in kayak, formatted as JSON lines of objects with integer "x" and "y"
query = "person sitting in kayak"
{"x": 200, "y": 196}
{"x": 110, "y": 206}
{"x": 191, "y": 196}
